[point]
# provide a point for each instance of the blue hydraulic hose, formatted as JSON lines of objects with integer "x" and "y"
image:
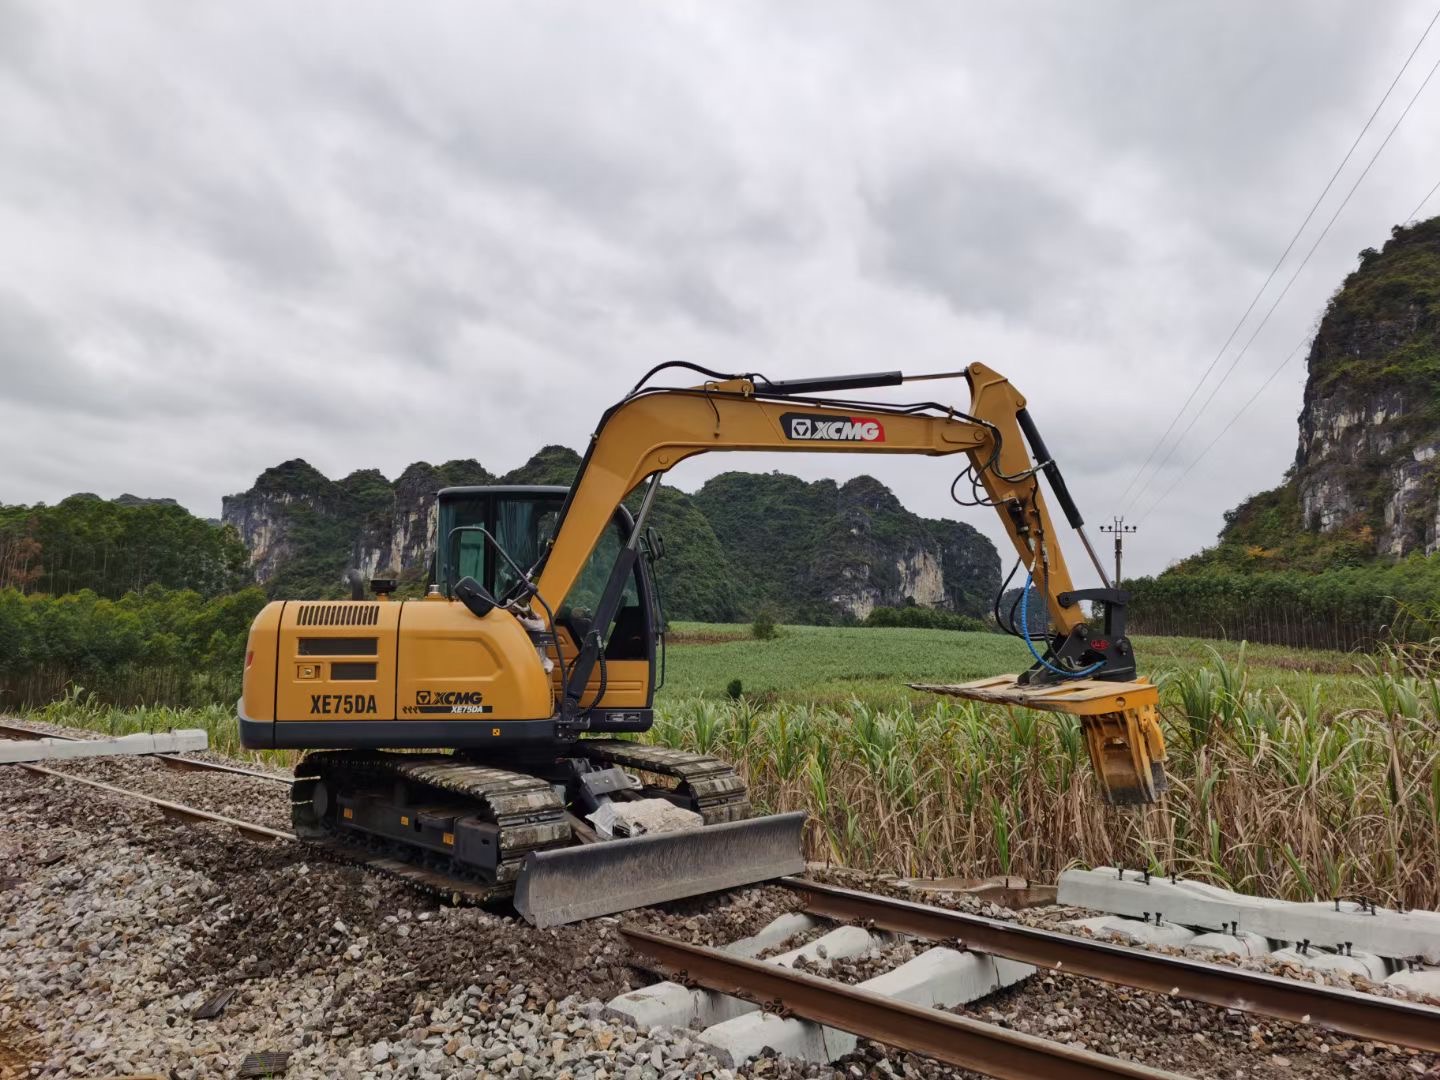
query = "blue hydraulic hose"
{"x": 1025, "y": 633}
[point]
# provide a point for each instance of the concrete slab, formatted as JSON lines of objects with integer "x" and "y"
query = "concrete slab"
{"x": 1242, "y": 944}
{"x": 1366, "y": 965}
{"x": 1424, "y": 981}
{"x": 737, "y": 1041}
{"x": 776, "y": 932}
{"x": 1196, "y": 904}
{"x": 172, "y": 742}
{"x": 1134, "y": 930}
{"x": 838, "y": 944}
{"x": 669, "y": 1004}
{"x": 937, "y": 978}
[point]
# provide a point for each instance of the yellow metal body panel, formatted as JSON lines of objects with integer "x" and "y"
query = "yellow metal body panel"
{"x": 627, "y": 682}
{"x": 404, "y": 660}
{"x": 258, "y": 682}
{"x": 316, "y": 638}
{"x": 488, "y": 664}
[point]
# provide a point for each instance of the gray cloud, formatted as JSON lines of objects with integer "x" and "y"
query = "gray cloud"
{"x": 235, "y": 235}
{"x": 943, "y": 227}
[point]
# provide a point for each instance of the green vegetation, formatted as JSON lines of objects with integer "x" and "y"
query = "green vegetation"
{"x": 159, "y": 645}
{"x": 1399, "y": 285}
{"x": 322, "y": 520}
{"x": 925, "y": 619}
{"x": 1286, "y": 792}
{"x": 1293, "y": 774}
{"x": 1265, "y": 533}
{"x": 1346, "y": 608}
{"x": 832, "y": 665}
{"x": 1371, "y": 415}
{"x": 742, "y": 543}
{"x": 794, "y": 545}
{"x": 115, "y": 547}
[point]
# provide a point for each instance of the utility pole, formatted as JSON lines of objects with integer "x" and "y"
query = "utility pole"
{"x": 1119, "y": 528}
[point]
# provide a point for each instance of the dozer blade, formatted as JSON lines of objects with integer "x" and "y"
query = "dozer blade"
{"x": 565, "y": 885}
{"x": 1120, "y": 721}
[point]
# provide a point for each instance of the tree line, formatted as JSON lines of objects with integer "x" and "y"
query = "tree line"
{"x": 115, "y": 547}
{"x": 155, "y": 645}
{"x": 1352, "y": 607}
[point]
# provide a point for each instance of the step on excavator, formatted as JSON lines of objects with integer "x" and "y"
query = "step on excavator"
{"x": 470, "y": 741}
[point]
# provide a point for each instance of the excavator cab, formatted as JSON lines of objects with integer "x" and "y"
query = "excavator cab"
{"x": 496, "y": 534}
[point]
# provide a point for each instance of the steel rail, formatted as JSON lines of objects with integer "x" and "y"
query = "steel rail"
{"x": 957, "y": 1040}
{"x": 415, "y": 876}
{"x": 173, "y": 810}
{"x": 1365, "y": 1016}
{"x": 174, "y": 761}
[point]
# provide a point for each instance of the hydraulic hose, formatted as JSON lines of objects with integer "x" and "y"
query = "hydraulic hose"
{"x": 1025, "y": 632}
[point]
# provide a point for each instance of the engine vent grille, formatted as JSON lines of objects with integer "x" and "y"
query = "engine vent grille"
{"x": 351, "y": 614}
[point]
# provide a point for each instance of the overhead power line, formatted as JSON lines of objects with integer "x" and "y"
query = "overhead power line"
{"x": 1421, "y": 205}
{"x": 1293, "y": 277}
{"x": 1221, "y": 433}
{"x": 1283, "y": 256}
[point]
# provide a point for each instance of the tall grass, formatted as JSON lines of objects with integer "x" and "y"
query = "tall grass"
{"x": 1271, "y": 792}
{"x": 1285, "y": 783}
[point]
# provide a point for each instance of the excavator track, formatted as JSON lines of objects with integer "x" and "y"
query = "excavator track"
{"x": 473, "y": 833}
{"x": 713, "y": 788}
{"x": 525, "y": 810}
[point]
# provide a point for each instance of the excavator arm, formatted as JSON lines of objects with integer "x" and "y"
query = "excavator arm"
{"x": 1085, "y": 670}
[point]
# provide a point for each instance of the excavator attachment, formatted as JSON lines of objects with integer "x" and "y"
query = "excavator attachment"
{"x": 565, "y": 885}
{"x": 1120, "y": 721}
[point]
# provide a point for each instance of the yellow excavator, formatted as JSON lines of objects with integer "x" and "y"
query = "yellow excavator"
{"x": 467, "y": 740}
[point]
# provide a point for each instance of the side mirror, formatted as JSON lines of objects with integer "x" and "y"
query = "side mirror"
{"x": 475, "y": 597}
{"x": 654, "y": 544}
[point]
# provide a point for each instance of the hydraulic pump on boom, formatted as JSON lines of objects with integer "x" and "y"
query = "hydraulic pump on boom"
{"x": 539, "y": 641}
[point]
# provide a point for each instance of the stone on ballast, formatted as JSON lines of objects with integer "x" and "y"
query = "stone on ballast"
{"x": 1420, "y": 981}
{"x": 1241, "y": 944}
{"x": 776, "y": 932}
{"x": 1134, "y": 930}
{"x": 1366, "y": 965}
{"x": 839, "y": 944}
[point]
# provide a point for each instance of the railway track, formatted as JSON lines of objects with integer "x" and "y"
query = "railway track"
{"x": 9, "y": 730}
{"x": 940, "y": 1034}
{"x": 428, "y": 881}
{"x": 778, "y": 989}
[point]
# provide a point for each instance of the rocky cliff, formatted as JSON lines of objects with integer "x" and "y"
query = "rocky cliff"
{"x": 1370, "y": 424}
{"x": 745, "y": 541}
{"x": 1366, "y": 479}
{"x": 824, "y": 550}
{"x": 304, "y": 530}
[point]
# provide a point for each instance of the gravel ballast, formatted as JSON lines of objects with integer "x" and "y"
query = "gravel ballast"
{"x": 115, "y": 925}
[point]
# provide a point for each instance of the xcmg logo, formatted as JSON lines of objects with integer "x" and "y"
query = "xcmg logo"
{"x": 842, "y": 429}
{"x": 449, "y": 697}
{"x": 448, "y": 702}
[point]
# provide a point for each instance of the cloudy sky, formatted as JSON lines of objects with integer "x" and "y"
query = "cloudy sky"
{"x": 367, "y": 234}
